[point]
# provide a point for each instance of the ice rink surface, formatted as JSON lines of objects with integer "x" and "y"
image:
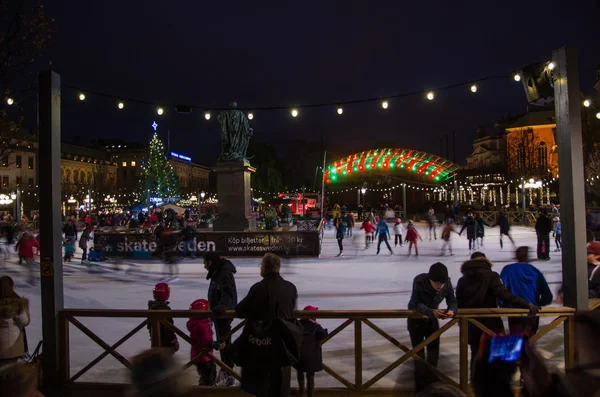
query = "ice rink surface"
{"x": 358, "y": 280}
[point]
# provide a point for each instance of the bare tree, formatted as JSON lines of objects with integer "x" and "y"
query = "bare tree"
{"x": 592, "y": 171}
{"x": 522, "y": 155}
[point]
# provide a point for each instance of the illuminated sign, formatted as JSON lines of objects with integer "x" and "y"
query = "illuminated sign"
{"x": 180, "y": 156}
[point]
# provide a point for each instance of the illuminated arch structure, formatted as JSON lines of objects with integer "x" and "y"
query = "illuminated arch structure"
{"x": 425, "y": 166}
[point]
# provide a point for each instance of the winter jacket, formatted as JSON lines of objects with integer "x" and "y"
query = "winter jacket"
{"x": 543, "y": 225}
{"x": 425, "y": 299}
{"x": 222, "y": 289}
{"x": 340, "y": 229}
{"x": 14, "y": 317}
{"x": 25, "y": 247}
{"x": 558, "y": 228}
{"x": 472, "y": 228}
{"x": 201, "y": 335}
{"x": 504, "y": 225}
{"x": 528, "y": 282}
{"x": 399, "y": 229}
{"x": 382, "y": 229}
{"x": 167, "y": 336}
{"x": 411, "y": 234}
{"x": 262, "y": 304}
{"x": 311, "y": 354}
{"x": 188, "y": 233}
{"x": 480, "y": 228}
{"x": 593, "y": 280}
{"x": 83, "y": 240}
{"x": 447, "y": 232}
{"x": 480, "y": 287}
{"x": 70, "y": 230}
{"x": 69, "y": 248}
{"x": 368, "y": 227}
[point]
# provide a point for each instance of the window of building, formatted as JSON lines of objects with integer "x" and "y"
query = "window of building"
{"x": 30, "y": 162}
{"x": 5, "y": 160}
{"x": 19, "y": 181}
{"x": 5, "y": 181}
{"x": 75, "y": 176}
{"x": 543, "y": 156}
{"x": 89, "y": 178}
{"x": 18, "y": 161}
{"x": 124, "y": 164}
{"x": 133, "y": 163}
{"x": 30, "y": 184}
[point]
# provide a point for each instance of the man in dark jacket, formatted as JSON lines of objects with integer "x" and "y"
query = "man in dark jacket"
{"x": 222, "y": 296}
{"x": 526, "y": 281}
{"x": 504, "y": 228}
{"x": 543, "y": 227}
{"x": 429, "y": 290}
{"x": 273, "y": 297}
{"x": 70, "y": 230}
{"x": 480, "y": 287}
{"x": 472, "y": 228}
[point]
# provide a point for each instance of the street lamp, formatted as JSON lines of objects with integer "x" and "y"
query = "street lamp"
{"x": 202, "y": 195}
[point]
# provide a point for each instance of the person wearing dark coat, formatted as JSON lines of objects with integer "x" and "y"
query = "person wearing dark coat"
{"x": 429, "y": 290}
{"x": 222, "y": 296}
{"x": 504, "y": 228}
{"x": 83, "y": 242}
{"x": 471, "y": 226}
{"x": 311, "y": 354}
{"x": 480, "y": 227}
{"x": 273, "y": 297}
{"x": 543, "y": 227}
{"x": 480, "y": 287}
{"x": 70, "y": 230}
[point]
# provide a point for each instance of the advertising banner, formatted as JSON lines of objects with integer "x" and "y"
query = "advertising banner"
{"x": 285, "y": 244}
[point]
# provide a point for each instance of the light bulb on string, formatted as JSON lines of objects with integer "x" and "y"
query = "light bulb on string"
{"x": 250, "y": 115}
{"x": 10, "y": 101}
{"x": 598, "y": 115}
{"x": 430, "y": 95}
{"x": 82, "y": 96}
{"x": 384, "y": 104}
{"x": 340, "y": 110}
{"x": 551, "y": 66}
{"x": 160, "y": 111}
{"x": 587, "y": 103}
{"x": 294, "y": 113}
{"x": 517, "y": 77}
{"x": 120, "y": 105}
{"x": 207, "y": 115}
{"x": 474, "y": 88}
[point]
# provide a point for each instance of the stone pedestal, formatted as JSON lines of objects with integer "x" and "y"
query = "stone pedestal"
{"x": 235, "y": 199}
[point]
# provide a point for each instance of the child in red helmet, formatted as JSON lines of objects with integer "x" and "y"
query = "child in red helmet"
{"x": 161, "y": 293}
{"x": 202, "y": 337}
{"x": 311, "y": 354}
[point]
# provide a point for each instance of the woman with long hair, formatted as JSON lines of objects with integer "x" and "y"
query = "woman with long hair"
{"x": 14, "y": 317}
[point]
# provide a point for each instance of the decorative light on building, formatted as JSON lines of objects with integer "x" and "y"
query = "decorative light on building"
{"x": 551, "y": 66}
{"x": 598, "y": 115}
{"x": 340, "y": 110}
{"x": 294, "y": 112}
{"x": 5, "y": 200}
{"x": 430, "y": 95}
{"x": 250, "y": 115}
{"x": 71, "y": 200}
{"x": 384, "y": 104}
{"x": 82, "y": 96}
{"x": 207, "y": 115}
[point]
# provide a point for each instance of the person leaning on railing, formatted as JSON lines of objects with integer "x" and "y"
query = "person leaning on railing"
{"x": 480, "y": 287}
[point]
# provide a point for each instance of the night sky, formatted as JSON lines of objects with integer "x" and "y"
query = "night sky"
{"x": 210, "y": 53}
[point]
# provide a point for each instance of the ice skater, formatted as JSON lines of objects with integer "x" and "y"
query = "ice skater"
{"x": 504, "y": 228}
{"x": 369, "y": 229}
{"x": 311, "y": 354}
{"x": 69, "y": 247}
{"x": 201, "y": 335}
{"x": 411, "y": 237}
{"x": 480, "y": 229}
{"x": 471, "y": 226}
{"x": 339, "y": 233}
{"x": 447, "y": 235}
{"x": 557, "y": 234}
{"x": 398, "y": 232}
{"x": 432, "y": 221}
{"x": 168, "y": 339}
{"x": 384, "y": 234}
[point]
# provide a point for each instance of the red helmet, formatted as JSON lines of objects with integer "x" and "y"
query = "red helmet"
{"x": 161, "y": 291}
{"x": 200, "y": 304}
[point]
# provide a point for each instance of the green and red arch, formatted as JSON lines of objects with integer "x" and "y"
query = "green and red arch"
{"x": 425, "y": 166}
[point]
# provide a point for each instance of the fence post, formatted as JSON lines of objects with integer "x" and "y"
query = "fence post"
{"x": 464, "y": 354}
{"x": 155, "y": 332}
{"x": 569, "y": 342}
{"x": 358, "y": 381}
{"x": 64, "y": 352}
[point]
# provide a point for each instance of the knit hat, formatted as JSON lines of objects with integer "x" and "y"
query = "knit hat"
{"x": 438, "y": 272}
{"x": 311, "y": 308}
{"x": 593, "y": 247}
{"x": 398, "y": 220}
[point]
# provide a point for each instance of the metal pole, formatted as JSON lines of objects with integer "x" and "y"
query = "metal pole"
{"x": 19, "y": 212}
{"x": 358, "y": 194}
{"x": 323, "y": 185}
{"x": 523, "y": 201}
{"x": 90, "y": 202}
{"x": 455, "y": 193}
{"x": 405, "y": 215}
{"x": 51, "y": 271}
{"x": 570, "y": 163}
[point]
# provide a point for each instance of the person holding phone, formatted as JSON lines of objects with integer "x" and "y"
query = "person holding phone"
{"x": 429, "y": 290}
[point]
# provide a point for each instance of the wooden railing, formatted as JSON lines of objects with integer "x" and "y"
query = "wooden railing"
{"x": 358, "y": 319}
{"x": 514, "y": 217}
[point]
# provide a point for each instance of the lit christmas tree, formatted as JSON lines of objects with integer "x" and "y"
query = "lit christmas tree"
{"x": 158, "y": 177}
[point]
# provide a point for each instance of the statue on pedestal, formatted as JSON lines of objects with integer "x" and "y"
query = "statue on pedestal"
{"x": 235, "y": 134}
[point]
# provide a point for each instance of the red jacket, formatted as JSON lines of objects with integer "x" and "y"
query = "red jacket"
{"x": 202, "y": 336}
{"x": 25, "y": 248}
{"x": 412, "y": 234}
{"x": 368, "y": 227}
